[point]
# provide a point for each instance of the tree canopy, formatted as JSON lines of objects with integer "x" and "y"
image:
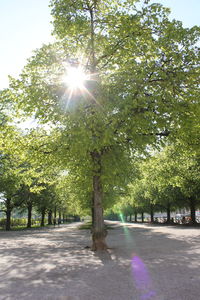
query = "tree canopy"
{"x": 141, "y": 87}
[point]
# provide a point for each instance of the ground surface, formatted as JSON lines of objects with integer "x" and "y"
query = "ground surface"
{"x": 144, "y": 262}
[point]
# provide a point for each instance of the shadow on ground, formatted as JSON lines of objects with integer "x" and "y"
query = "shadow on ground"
{"x": 143, "y": 262}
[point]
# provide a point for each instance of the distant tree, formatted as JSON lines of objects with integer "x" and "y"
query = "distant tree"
{"x": 9, "y": 185}
{"x": 185, "y": 171}
{"x": 172, "y": 179}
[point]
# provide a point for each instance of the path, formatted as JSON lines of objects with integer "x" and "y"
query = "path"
{"x": 144, "y": 263}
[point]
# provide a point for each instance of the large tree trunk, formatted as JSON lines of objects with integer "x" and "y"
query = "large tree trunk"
{"x": 192, "y": 211}
{"x": 92, "y": 210}
{"x": 50, "y": 217}
{"x": 98, "y": 229}
{"x": 8, "y": 214}
{"x": 29, "y": 207}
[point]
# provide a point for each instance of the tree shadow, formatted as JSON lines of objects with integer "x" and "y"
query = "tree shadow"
{"x": 53, "y": 264}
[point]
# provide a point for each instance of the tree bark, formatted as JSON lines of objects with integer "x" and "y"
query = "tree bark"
{"x": 55, "y": 211}
{"x": 50, "y": 217}
{"x": 135, "y": 217}
{"x": 63, "y": 218}
{"x": 151, "y": 213}
{"x": 42, "y": 217}
{"x": 92, "y": 210}
{"x": 192, "y": 211}
{"x": 98, "y": 229}
{"x": 168, "y": 213}
{"x": 142, "y": 216}
{"x": 8, "y": 214}
{"x": 29, "y": 214}
{"x": 130, "y": 218}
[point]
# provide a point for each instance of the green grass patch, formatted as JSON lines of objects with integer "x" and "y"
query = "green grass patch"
{"x": 88, "y": 226}
{"x": 33, "y": 227}
{"x": 18, "y": 228}
{"x": 23, "y": 227}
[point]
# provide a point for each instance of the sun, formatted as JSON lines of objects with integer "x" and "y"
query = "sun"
{"x": 75, "y": 78}
{"x": 77, "y": 83}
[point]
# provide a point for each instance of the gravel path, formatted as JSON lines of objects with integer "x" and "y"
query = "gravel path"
{"x": 144, "y": 262}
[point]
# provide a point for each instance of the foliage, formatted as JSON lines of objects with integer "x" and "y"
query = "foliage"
{"x": 143, "y": 88}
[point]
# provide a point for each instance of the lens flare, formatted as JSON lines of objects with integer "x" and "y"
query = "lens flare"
{"x": 125, "y": 228}
{"x": 140, "y": 273}
{"x": 142, "y": 279}
{"x": 75, "y": 78}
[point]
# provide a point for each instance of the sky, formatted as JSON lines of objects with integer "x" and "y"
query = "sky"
{"x": 25, "y": 26}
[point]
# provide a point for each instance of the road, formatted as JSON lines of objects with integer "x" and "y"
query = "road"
{"x": 143, "y": 262}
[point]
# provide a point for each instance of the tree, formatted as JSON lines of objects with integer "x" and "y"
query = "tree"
{"x": 157, "y": 172}
{"x": 141, "y": 70}
{"x": 185, "y": 165}
{"x": 44, "y": 200}
{"x": 9, "y": 184}
{"x": 174, "y": 173}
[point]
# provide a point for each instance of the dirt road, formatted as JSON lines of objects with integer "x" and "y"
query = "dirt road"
{"x": 144, "y": 262}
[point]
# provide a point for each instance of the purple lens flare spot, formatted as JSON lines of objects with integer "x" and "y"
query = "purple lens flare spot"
{"x": 141, "y": 278}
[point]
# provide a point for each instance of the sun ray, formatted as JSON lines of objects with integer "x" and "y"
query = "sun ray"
{"x": 76, "y": 80}
{"x": 85, "y": 90}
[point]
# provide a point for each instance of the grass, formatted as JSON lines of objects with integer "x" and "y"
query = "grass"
{"x": 85, "y": 226}
{"x": 33, "y": 227}
{"x": 88, "y": 226}
{"x": 23, "y": 227}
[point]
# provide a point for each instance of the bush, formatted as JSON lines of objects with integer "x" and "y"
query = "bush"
{"x": 2, "y": 222}
{"x": 19, "y": 222}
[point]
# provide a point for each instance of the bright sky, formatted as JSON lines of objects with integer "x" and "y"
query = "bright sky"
{"x": 25, "y": 26}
